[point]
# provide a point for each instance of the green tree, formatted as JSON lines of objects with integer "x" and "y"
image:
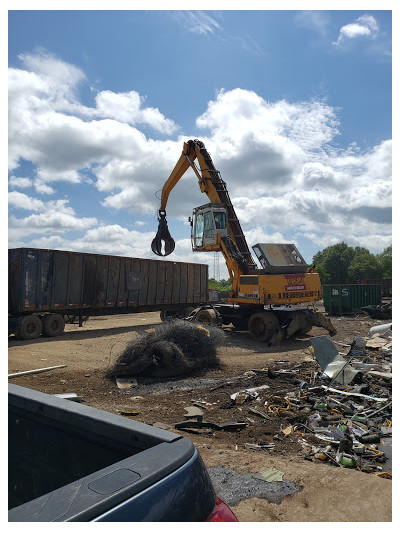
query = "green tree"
{"x": 385, "y": 260}
{"x": 364, "y": 266}
{"x": 334, "y": 261}
{"x": 341, "y": 263}
{"x": 222, "y": 285}
{"x": 324, "y": 275}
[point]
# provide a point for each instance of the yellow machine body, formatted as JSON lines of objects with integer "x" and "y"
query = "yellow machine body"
{"x": 278, "y": 289}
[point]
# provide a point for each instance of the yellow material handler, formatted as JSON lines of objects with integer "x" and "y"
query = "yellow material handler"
{"x": 273, "y": 302}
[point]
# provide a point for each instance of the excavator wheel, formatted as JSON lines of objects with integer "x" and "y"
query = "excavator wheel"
{"x": 263, "y": 326}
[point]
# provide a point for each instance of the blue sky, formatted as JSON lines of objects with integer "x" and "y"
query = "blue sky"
{"x": 293, "y": 106}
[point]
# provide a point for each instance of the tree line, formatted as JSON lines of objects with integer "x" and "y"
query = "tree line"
{"x": 340, "y": 263}
{"x": 219, "y": 285}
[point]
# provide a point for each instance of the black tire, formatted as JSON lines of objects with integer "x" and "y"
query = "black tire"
{"x": 262, "y": 326}
{"x": 53, "y": 325}
{"x": 187, "y": 311}
{"x": 28, "y": 327}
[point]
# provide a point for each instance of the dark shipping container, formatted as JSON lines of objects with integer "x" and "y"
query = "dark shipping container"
{"x": 76, "y": 284}
{"x": 342, "y": 299}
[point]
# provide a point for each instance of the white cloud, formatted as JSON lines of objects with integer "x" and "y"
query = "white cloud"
{"x": 20, "y": 183}
{"x": 197, "y": 22}
{"x": 22, "y": 201}
{"x": 317, "y": 21}
{"x": 283, "y": 172}
{"x": 364, "y": 26}
{"x": 58, "y": 75}
{"x": 52, "y": 217}
{"x": 50, "y": 127}
{"x": 127, "y": 108}
{"x": 103, "y": 239}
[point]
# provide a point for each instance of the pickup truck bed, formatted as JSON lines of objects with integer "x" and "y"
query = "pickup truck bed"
{"x": 71, "y": 462}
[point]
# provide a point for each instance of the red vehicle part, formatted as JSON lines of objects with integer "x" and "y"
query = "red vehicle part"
{"x": 221, "y": 513}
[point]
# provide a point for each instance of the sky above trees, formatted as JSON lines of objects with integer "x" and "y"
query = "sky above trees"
{"x": 293, "y": 106}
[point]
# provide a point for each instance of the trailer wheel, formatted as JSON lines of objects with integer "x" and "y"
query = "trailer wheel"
{"x": 53, "y": 325}
{"x": 28, "y": 327}
{"x": 187, "y": 311}
{"x": 262, "y": 326}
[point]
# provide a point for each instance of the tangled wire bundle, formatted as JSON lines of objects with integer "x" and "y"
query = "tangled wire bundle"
{"x": 173, "y": 348}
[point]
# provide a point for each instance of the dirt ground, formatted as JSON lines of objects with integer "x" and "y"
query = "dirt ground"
{"x": 328, "y": 493}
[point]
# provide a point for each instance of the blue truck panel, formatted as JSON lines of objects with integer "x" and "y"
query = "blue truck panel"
{"x": 71, "y": 462}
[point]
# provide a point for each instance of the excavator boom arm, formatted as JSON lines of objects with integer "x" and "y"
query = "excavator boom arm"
{"x": 236, "y": 250}
{"x": 184, "y": 162}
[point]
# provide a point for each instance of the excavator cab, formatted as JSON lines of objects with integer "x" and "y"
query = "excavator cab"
{"x": 208, "y": 221}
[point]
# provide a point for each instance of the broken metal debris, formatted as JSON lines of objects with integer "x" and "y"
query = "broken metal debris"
{"x": 129, "y": 412}
{"x": 126, "y": 383}
{"x": 381, "y": 311}
{"x": 250, "y": 446}
{"x": 342, "y": 425}
{"x": 36, "y": 371}
{"x": 193, "y": 411}
{"x": 335, "y": 407}
{"x": 332, "y": 363}
{"x": 259, "y": 413}
{"x": 247, "y": 394}
{"x": 70, "y": 396}
{"x": 199, "y": 423}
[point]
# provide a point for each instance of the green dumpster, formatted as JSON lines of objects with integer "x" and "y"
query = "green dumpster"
{"x": 345, "y": 299}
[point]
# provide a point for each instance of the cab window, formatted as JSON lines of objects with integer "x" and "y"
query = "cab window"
{"x": 220, "y": 220}
{"x": 208, "y": 225}
{"x": 199, "y": 231}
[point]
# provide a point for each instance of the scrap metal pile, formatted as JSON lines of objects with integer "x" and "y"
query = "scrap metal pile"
{"x": 352, "y": 405}
{"x": 336, "y": 406}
